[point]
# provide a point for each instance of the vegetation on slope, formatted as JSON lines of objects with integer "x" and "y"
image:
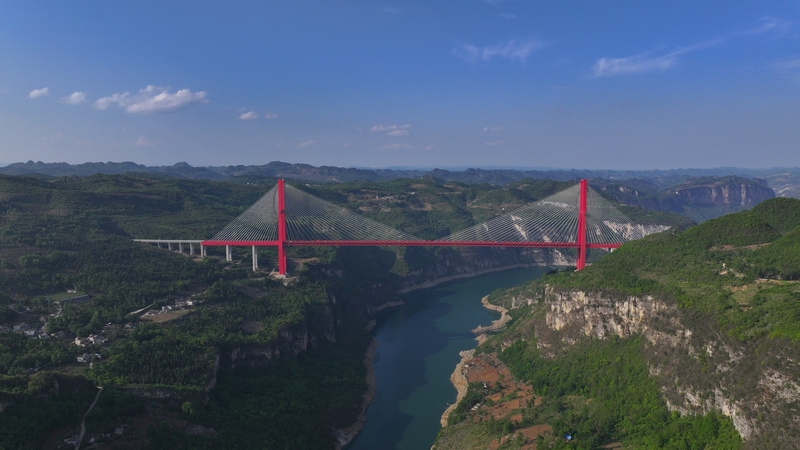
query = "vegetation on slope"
{"x": 733, "y": 280}
{"x": 75, "y": 234}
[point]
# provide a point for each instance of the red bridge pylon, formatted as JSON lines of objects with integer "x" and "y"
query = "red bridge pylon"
{"x": 285, "y": 216}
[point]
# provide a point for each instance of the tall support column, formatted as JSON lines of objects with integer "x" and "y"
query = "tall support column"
{"x": 191, "y": 249}
{"x": 203, "y": 251}
{"x": 180, "y": 247}
{"x": 169, "y": 246}
{"x": 281, "y": 229}
{"x": 582, "y": 226}
{"x": 228, "y": 253}
{"x": 255, "y": 259}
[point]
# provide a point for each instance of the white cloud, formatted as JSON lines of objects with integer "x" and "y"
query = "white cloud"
{"x": 508, "y": 16}
{"x": 497, "y": 142}
{"x": 270, "y": 116}
{"x": 392, "y": 130}
{"x": 152, "y": 99}
{"x": 143, "y": 142}
{"x": 36, "y": 93}
{"x": 633, "y": 64}
{"x": 306, "y": 143}
{"x": 513, "y": 49}
{"x": 380, "y": 128}
{"x": 250, "y": 115}
{"x": 76, "y": 98}
{"x": 395, "y": 147}
{"x": 645, "y": 62}
{"x": 770, "y": 23}
{"x": 487, "y": 129}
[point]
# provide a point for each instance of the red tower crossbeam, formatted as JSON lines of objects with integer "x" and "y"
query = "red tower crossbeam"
{"x": 582, "y": 244}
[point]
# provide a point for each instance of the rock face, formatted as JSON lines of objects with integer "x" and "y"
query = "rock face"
{"x": 601, "y": 317}
{"x": 698, "y": 369}
{"x": 744, "y": 194}
{"x": 698, "y": 198}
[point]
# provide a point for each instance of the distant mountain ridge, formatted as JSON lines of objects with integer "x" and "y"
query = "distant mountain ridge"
{"x": 700, "y": 194}
{"x": 662, "y": 179}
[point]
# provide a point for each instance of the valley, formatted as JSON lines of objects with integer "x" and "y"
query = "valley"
{"x": 203, "y": 353}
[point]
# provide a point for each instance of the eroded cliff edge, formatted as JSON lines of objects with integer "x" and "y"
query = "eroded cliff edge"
{"x": 697, "y": 368}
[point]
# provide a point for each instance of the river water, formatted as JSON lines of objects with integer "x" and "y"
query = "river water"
{"x": 418, "y": 349}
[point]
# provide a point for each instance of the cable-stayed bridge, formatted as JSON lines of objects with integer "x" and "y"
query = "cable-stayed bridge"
{"x": 577, "y": 217}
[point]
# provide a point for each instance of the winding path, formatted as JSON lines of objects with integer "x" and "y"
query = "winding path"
{"x": 83, "y": 421}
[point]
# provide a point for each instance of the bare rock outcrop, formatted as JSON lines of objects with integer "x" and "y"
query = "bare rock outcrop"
{"x": 698, "y": 370}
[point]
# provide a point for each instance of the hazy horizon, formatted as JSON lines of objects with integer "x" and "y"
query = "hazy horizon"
{"x": 428, "y": 168}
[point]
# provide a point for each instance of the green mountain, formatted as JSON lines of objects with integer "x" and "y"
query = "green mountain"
{"x": 198, "y": 352}
{"x": 684, "y": 339}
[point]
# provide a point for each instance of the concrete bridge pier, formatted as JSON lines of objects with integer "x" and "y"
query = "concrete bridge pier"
{"x": 228, "y": 253}
{"x": 169, "y": 246}
{"x": 203, "y": 251}
{"x": 255, "y": 259}
{"x": 191, "y": 249}
{"x": 180, "y": 247}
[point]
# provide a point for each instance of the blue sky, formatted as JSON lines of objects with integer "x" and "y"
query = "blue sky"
{"x": 573, "y": 84}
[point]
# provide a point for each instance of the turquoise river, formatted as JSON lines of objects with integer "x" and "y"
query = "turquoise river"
{"x": 418, "y": 349}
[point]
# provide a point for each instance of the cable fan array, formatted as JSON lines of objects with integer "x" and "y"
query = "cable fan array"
{"x": 309, "y": 218}
{"x": 552, "y": 219}
{"x": 555, "y": 219}
{"x": 257, "y": 223}
{"x": 607, "y": 224}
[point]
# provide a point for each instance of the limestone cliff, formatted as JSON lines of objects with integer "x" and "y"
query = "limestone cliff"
{"x": 732, "y": 192}
{"x": 698, "y": 198}
{"x": 698, "y": 369}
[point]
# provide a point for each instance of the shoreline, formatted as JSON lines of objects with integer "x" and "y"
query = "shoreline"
{"x": 346, "y": 435}
{"x": 460, "y": 382}
{"x": 482, "y": 333}
{"x": 383, "y": 306}
{"x": 438, "y": 281}
{"x": 458, "y": 378}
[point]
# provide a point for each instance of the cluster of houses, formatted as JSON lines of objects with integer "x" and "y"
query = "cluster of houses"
{"x": 87, "y": 358}
{"x": 177, "y": 306}
{"x": 27, "y": 329}
{"x": 92, "y": 339}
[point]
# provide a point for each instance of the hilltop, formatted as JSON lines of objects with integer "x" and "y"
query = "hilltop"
{"x": 684, "y": 339}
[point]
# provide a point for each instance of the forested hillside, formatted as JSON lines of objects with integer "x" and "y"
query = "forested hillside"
{"x": 210, "y": 345}
{"x": 680, "y": 340}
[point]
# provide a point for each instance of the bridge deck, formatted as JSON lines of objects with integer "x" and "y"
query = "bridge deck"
{"x": 410, "y": 244}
